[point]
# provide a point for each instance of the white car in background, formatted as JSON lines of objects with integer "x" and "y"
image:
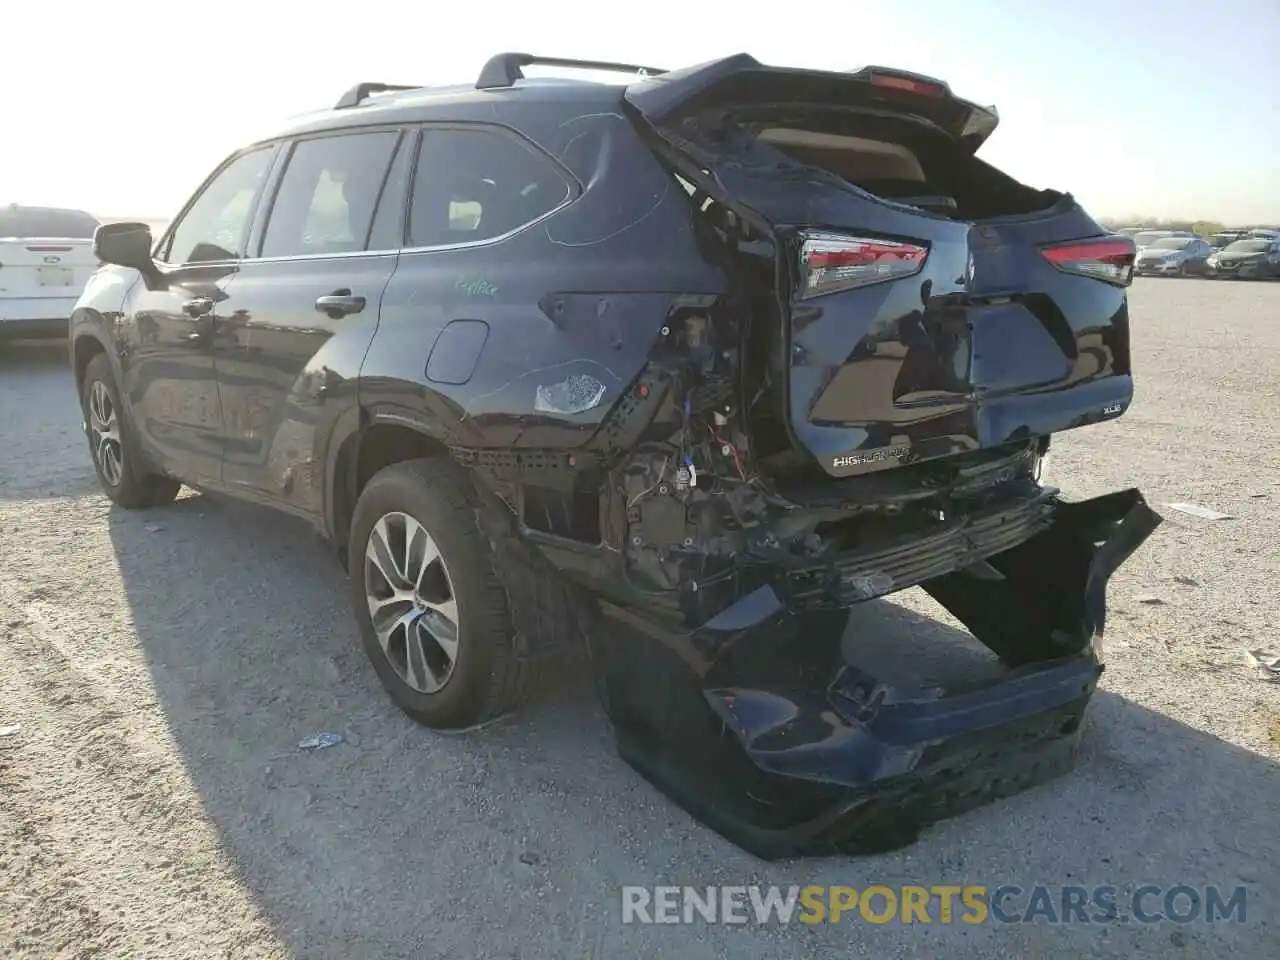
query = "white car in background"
{"x": 46, "y": 258}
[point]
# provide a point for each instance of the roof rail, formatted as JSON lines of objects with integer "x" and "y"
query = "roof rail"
{"x": 504, "y": 69}
{"x": 361, "y": 92}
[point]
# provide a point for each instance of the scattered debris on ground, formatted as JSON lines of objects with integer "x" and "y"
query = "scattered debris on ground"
{"x": 1194, "y": 510}
{"x": 320, "y": 741}
{"x": 1266, "y": 664}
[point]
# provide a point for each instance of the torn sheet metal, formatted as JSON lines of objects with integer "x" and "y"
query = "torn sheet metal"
{"x": 754, "y": 723}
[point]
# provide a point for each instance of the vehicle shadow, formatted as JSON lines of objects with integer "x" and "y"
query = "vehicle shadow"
{"x": 514, "y": 840}
{"x": 36, "y": 379}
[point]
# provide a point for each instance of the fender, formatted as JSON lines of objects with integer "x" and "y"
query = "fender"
{"x": 108, "y": 289}
{"x": 340, "y": 471}
{"x": 346, "y": 429}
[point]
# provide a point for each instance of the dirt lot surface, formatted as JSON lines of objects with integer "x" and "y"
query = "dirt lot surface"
{"x": 163, "y": 667}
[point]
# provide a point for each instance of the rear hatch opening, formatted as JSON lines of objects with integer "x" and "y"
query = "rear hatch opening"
{"x": 906, "y": 328}
{"x": 907, "y": 301}
{"x": 892, "y": 162}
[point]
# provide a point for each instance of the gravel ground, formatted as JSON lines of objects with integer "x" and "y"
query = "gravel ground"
{"x": 164, "y": 665}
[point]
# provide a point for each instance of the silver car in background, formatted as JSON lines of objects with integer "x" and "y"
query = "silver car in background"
{"x": 1173, "y": 256}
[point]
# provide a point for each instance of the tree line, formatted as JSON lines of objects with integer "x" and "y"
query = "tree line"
{"x": 1202, "y": 228}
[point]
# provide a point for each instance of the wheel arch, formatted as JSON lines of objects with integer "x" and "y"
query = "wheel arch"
{"x": 362, "y": 444}
{"x": 85, "y": 345}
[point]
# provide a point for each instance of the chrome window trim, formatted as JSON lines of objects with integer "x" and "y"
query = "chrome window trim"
{"x": 461, "y": 245}
{"x": 573, "y": 191}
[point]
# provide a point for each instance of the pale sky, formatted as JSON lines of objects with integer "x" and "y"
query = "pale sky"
{"x": 1164, "y": 109}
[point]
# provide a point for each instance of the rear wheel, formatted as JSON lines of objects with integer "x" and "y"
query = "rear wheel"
{"x": 433, "y": 617}
{"x": 121, "y": 472}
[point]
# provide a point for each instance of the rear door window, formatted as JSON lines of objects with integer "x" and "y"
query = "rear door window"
{"x": 216, "y": 225}
{"x": 326, "y": 198}
{"x": 478, "y": 184}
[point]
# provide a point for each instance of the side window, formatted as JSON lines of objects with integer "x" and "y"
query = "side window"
{"x": 325, "y": 200}
{"x": 216, "y": 226}
{"x": 478, "y": 184}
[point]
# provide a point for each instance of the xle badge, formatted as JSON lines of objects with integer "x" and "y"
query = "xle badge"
{"x": 1110, "y": 409}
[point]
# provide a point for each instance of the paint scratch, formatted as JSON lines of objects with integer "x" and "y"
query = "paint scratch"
{"x": 589, "y": 116}
{"x": 666, "y": 189}
{"x": 476, "y": 288}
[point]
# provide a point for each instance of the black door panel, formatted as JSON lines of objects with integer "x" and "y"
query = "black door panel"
{"x": 298, "y": 320}
{"x": 282, "y": 364}
{"x": 168, "y": 345}
{"x": 169, "y": 375}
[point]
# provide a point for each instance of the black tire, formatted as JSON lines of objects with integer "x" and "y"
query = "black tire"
{"x": 486, "y": 679}
{"x": 136, "y": 488}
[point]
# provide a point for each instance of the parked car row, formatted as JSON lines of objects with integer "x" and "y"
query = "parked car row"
{"x": 1253, "y": 255}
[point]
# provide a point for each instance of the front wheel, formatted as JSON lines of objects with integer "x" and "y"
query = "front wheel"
{"x": 433, "y": 617}
{"x": 121, "y": 472}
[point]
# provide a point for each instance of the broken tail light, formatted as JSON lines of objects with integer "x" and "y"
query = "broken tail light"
{"x": 831, "y": 262}
{"x": 1109, "y": 259}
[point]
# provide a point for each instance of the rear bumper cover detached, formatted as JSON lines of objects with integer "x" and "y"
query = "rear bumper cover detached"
{"x": 757, "y": 725}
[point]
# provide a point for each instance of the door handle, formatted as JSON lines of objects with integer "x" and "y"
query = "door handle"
{"x": 340, "y": 303}
{"x": 197, "y": 307}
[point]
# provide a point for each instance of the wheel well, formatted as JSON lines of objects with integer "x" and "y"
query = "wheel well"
{"x": 83, "y": 351}
{"x": 363, "y": 455}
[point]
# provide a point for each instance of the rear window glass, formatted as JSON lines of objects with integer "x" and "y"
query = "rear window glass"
{"x": 46, "y": 222}
{"x": 473, "y": 185}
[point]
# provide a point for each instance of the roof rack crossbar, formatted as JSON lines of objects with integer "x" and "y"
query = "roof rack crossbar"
{"x": 504, "y": 69}
{"x": 362, "y": 91}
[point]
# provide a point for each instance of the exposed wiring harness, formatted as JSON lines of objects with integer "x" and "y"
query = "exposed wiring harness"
{"x": 662, "y": 472}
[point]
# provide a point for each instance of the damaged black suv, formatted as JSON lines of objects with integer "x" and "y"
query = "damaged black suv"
{"x": 675, "y": 371}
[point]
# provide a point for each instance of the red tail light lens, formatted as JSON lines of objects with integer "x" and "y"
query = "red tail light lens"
{"x": 1108, "y": 258}
{"x": 830, "y": 262}
{"x": 922, "y": 88}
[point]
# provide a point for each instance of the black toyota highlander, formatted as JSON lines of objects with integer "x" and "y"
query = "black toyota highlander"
{"x": 674, "y": 372}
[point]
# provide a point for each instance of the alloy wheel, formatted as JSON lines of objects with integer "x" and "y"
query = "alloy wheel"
{"x": 411, "y": 602}
{"x": 104, "y": 434}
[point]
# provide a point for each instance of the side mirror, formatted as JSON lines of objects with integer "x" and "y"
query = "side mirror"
{"x": 125, "y": 244}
